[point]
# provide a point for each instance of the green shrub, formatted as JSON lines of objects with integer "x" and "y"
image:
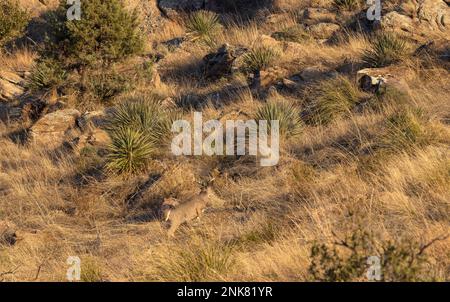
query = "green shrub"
{"x": 385, "y": 50}
{"x": 334, "y": 98}
{"x": 347, "y": 4}
{"x": 139, "y": 128}
{"x": 203, "y": 25}
{"x": 13, "y": 20}
{"x": 347, "y": 260}
{"x": 287, "y": 114}
{"x": 130, "y": 151}
{"x": 260, "y": 58}
{"x": 103, "y": 85}
{"x": 46, "y": 74}
{"x": 106, "y": 33}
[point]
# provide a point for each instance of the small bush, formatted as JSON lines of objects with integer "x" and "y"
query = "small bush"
{"x": 106, "y": 33}
{"x": 385, "y": 50}
{"x": 13, "y": 20}
{"x": 348, "y": 5}
{"x": 46, "y": 75}
{"x": 260, "y": 58}
{"x": 286, "y": 113}
{"x": 334, "y": 98}
{"x": 203, "y": 25}
{"x": 104, "y": 85}
{"x": 347, "y": 260}
{"x": 130, "y": 151}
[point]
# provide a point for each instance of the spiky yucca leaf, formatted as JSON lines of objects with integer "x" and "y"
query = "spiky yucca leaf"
{"x": 129, "y": 152}
{"x": 260, "y": 58}
{"x": 385, "y": 50}
{"x": 203, "y": 25}
{"x": 286, "y": 113}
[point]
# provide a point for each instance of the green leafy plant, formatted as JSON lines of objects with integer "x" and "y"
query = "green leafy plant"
{"x": 13, "y": 20}
{"x": 287, "y": 114}
{"x": 104, "y": 84}
{"x": 334, "y": 98}
{"x": 203, "y": 25}
{"x": 260, "y": 58}
{"x": 106, "y": 33}
{"x": 385, "y": 50}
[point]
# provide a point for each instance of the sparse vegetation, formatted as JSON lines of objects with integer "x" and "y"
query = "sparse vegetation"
{"x": 86, "y": 110}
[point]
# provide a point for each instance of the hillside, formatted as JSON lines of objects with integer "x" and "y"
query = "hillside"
{"x": 86, "y": 109}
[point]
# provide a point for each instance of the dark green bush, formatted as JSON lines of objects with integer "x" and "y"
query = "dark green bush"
{"x": 106, "y": 33}
{"x": 13, "y": 20}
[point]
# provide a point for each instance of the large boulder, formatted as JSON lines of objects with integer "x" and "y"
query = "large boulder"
{"x": 11, "y": 85}
{"x": 222, "y": 62}
{"x": 435, "y": 12}
{"x": 52, "y": 128}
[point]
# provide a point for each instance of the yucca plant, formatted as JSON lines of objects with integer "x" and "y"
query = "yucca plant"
{"x": 287, "y": 114}
{"x": 203, "y": 25}
{"x": 260, "y": 58}
{"x": 13, "y": 20}
{"x": 129, "y": 152}
{"x": 347, "y": 4}
{"x": 385, "y": 50}
{"x": 334, "y": 98}
{"x": 45, "y": 75}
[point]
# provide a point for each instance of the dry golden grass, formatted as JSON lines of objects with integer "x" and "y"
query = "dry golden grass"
{"x": 331, "y": 180}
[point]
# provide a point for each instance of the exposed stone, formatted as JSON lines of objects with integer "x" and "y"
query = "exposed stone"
{"x": 266, "y": 78}
{"x": 372, "y": 79}
{"x": 51, "y": 129}
{"x": 221, "y": 63}
{"x": 397, "y": 22}
{"x": 323, "y": 30}
{"x": 11, "y": 85}
{"x": 435, "y": 12}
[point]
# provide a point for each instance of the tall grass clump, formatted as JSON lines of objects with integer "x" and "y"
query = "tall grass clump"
{"x": 13, "y": 20}
{"x": 46, "y": 75}
{"x": 334, "y": 98}
{"x": 203, "y": 263}
{"x": 260, "y": 58}
{"x": 203, "y": 25}
{"x": 385, "y": 50}
{"x": 287, "y": 114}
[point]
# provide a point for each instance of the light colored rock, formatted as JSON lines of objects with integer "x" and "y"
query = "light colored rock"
{"x": 11, "y": 85}
{"x": 434, "y": 12}
{"x": 370, "y": 78}
{"x": 51, "y": 128}
{"x": 397, "y": 22}
{"x": 323, "y": 30}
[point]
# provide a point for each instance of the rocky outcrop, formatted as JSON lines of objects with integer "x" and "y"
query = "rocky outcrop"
{"x": 52, "y": 128}
{"x": 171, "y": 8}
{"x": 323, "y": 30}
{"x": 223, "y": 62}
{"x": 11, "y": 85}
